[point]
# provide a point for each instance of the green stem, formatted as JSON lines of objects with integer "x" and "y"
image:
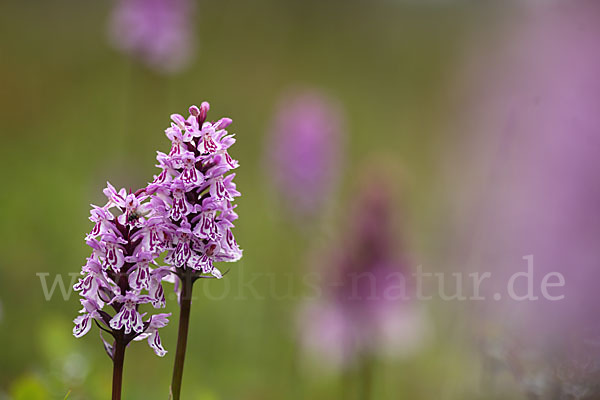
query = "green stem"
{"x": 366, "y": 377}
{"x": 118, "y": 359}
{"x": 346, "y": 384}
{"x": 184, "y": 323}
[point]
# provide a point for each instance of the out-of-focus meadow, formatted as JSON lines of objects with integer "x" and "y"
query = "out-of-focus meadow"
{"x": 75, "y": 113}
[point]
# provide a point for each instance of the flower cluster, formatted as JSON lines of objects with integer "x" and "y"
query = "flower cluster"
{"x": 122, "y": 271}
{"x": 186, "y": 213}
{"x": 198, "y": 193}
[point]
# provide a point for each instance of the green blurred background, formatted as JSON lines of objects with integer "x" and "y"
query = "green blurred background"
{"x": 75, "y": 113}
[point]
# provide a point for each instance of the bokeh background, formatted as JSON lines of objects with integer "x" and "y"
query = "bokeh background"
{"x": 429, "y": 87}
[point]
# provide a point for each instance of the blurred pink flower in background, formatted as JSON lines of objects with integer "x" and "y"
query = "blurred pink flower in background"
{"x": 158, "y": 32}
{"x": 364, "y": 310}
{"x": 304, "y": 151}
{"x": 534, "y": 157}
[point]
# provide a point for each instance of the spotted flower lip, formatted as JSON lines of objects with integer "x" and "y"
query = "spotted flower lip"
{"x": 207, "y": 226}
{"x": 156, "y": 321}
{"x": 140, "y": 277}
{"x": 83, "y": 323}
{"x": 101, "y": 216}
{"x": 128, "y": 317}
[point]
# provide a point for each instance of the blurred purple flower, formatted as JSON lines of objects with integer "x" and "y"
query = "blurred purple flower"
{"x": 536, "y": 144}
{"x": 365, "y": 309}
{"x": 304, "y": 151}
{"x": 158, "y": 32}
